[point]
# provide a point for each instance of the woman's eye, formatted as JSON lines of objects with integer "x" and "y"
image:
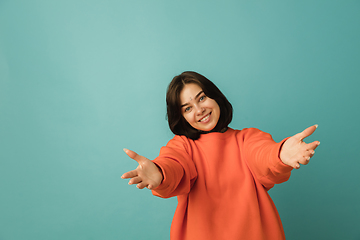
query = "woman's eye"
{"x": 201, "y": 98}
{"x": 187, "y": 109}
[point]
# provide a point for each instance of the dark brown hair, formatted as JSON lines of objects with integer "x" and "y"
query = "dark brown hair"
{"x": 177, "y": 123}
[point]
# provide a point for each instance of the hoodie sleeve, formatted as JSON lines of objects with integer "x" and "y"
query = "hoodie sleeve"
{"x": 262, "y": 155}
{"x": 178, "y": 168}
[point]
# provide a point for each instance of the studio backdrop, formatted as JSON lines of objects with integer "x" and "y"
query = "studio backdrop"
{"x": 81, "y": 80}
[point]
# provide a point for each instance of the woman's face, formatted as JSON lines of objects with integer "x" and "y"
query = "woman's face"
{"x": 200, "y": 111}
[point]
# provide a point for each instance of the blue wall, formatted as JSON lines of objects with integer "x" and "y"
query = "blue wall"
{"x": 81, "y": 80}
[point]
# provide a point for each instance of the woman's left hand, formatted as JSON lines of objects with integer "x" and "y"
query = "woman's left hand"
{"x": 295, "y": 151}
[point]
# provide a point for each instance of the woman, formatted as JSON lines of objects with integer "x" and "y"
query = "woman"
{"x": 220, "y": 175}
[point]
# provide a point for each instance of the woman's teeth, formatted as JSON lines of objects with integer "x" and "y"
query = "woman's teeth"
{"x": 205, "y": 118}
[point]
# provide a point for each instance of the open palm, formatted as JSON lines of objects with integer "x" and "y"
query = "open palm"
{"x": 147, "y": 174}
{"x": 295, "y": 151}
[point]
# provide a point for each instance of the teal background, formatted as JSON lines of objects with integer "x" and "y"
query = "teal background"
{"x": 81, "y": 80}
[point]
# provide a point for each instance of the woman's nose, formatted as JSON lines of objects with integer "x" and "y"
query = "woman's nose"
{"x": 199, "y": 109}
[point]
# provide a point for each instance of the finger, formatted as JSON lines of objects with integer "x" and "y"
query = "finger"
{"x": 310, "y": 153}
{"x": 313, "y": 145}
{"x": 307, "y": 132}
{"x": 301, "y": 160}
{"x": 134, "y": 155}
{"x": 305, "y": 160}
{"x": 130, "y": 174}
{"x": 142, "y": 185}
{"x": 135, "y": 180}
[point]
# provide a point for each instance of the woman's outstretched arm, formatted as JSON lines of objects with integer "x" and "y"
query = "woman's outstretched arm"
{"x": 295, "y": 151}
{"x": 147, "y": 174}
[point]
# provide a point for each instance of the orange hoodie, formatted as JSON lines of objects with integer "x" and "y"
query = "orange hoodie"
{"x": 221, "y": 182}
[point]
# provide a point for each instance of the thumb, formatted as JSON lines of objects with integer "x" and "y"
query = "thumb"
{"x": 307, "y": 132}
{"x": 134, "y": 155}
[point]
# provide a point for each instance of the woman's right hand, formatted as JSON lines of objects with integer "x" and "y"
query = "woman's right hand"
{"x": 147, "y": 174}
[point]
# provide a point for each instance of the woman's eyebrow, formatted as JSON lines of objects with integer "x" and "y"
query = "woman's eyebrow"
{"x": 197, "y": 95}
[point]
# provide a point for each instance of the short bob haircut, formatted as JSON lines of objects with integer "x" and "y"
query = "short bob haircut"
{"x": 177, "y": 123}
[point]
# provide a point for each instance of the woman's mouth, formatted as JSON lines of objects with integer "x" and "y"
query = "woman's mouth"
{"x": 205, "y": 119}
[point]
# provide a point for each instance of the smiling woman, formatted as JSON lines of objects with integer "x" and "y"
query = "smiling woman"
{"x": 217, "y": 172}
{"x": 201, "y": 112}
{"x": 184, "y": 89}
